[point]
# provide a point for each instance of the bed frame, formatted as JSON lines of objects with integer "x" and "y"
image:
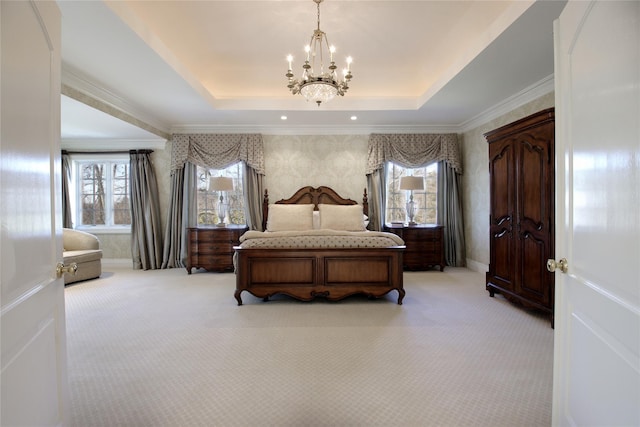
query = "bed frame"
{"x": 332, "y": 273}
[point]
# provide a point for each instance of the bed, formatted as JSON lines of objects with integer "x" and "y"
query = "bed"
{"x": 320, "y": 258}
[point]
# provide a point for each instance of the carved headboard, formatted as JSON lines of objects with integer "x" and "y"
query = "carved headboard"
{"x": 314, "y": 196}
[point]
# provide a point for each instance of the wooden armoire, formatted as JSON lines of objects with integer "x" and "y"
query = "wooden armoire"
{"x": 522, "y": 209}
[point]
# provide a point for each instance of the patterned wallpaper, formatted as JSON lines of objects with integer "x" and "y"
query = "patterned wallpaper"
{"x": 339, "y": 161}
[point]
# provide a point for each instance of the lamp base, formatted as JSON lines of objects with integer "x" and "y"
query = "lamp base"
{"x": 221, "y": 224}
{"x": 412, "y": 224}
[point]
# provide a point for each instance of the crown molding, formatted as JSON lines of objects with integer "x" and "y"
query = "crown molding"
{"x": 82, "y": 90}
{"x": 312, "y": 130}
{"x": 106, "y": 145}
{"x": 521, "y": 98}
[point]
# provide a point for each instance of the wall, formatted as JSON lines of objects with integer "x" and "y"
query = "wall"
{"x": 291, "y": 162}
{"x": 475, "y": 181}
{"x": 339, "y": 161}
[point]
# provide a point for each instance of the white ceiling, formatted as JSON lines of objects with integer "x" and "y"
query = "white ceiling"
{"x": 218, "y": 66}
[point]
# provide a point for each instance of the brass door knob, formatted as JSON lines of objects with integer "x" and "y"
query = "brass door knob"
{"x": 62, "y": 269}
{"x": 553, "y": 265}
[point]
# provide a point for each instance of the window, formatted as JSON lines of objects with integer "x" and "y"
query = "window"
{"x": 425, "y": 200}
{"x": 102, "y": 193}
{"x": 207, "y": 201}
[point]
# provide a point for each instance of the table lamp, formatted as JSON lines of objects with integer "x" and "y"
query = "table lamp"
{"x": 411, "y": 183}
{"x": 221, "y": 183}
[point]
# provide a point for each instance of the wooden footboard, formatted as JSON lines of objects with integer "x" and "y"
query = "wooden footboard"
{"x": 307, "y": 273}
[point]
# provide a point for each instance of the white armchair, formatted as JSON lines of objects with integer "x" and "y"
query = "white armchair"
{"x": 83, "y": 249}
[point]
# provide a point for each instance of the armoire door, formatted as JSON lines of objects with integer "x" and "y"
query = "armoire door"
{"x": 502, "y": 265}
{"x": 535, "y": 213}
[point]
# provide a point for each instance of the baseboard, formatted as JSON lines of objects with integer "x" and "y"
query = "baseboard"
{"x": 477, "y": 266}
{"x": 116, "y": 262}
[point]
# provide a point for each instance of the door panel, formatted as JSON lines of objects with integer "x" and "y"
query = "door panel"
{"x": 597, "y": 335}
{"x": 33, "y": 378}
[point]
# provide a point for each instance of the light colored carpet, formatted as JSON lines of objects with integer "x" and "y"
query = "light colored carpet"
{"x": 163, "y": 348}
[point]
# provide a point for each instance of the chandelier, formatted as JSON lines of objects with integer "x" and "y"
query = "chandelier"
{"x": 317, "y": 83}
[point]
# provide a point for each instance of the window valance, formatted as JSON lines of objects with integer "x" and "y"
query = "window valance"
{"x": 217, "y": 151}
{"x": 413, "y": 150}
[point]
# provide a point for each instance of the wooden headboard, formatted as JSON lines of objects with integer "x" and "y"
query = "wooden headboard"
{"x": 314, "y": 196}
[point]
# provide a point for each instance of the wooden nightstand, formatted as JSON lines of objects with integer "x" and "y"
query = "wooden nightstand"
{"x": 211, "y": 248}
{"x": 425, "y": 245}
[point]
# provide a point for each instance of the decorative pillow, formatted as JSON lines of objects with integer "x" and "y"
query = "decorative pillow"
{"x": 290, "y": 218}
{"x": 340, "y": 217}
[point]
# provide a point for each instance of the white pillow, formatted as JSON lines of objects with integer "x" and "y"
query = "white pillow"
{"x": 290, "y": 217}
{"x": 341, "y": 217}
{"x": 316, "y": 220}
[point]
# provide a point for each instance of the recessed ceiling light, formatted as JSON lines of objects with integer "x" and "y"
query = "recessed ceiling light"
{"x": 283, "y": 117}
{"x": 354, "y": 117}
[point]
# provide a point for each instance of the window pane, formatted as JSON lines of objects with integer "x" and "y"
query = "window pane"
{"x": 425, "y": 200}
{"x": 120, "y": 191}
{"x": 207, "y": 201}
{"x": 92, "y": 194}
{"x": 103, "y": 191}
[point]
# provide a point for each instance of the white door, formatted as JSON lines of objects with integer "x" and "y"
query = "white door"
{"x": 597, "y": 329}
{"x": 33, "y": 376}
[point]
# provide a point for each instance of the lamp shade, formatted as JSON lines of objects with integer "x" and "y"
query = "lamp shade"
{"x": 220, "y": 183}
{"x": 411, "y": 183}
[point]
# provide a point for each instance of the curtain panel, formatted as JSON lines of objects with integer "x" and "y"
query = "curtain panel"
{"x": 450, "y": 215}
{"x": 173, "y": 231}
{"x": 146, "y": 230}
{"x": 66, "y": 182}
{"x": 217, "y": 151}
{"x": 413, "y": 150}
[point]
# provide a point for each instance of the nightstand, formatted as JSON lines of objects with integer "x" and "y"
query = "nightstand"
{"x": 425, "y": 245}
{"x": 211, "y": 248}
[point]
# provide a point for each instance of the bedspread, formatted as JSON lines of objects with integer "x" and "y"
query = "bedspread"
{"x": 319, "y": 239}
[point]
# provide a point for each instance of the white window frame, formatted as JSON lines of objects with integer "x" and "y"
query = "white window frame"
{"x": 209, "y": 199}
{"x": 419, "y": 196}
{"x": 76, "y": 194}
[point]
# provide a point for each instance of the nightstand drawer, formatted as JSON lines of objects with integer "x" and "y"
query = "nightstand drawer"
{"x": 424, "y": 245}
{"x": 211, "y": 248}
